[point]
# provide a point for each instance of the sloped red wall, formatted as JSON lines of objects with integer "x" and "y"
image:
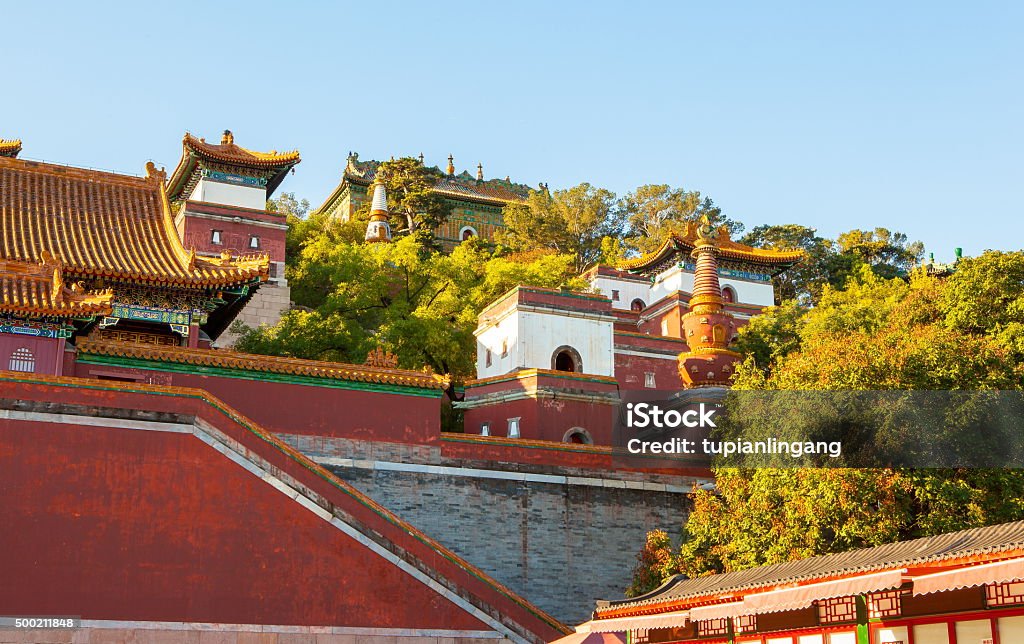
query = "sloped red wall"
{"x": 144, "y": 525}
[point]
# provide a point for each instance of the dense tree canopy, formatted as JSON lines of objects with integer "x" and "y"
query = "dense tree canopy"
{"x": 653, "y": 212}
{"x": 574, "y": 222}
{"x": 925, "y": 333}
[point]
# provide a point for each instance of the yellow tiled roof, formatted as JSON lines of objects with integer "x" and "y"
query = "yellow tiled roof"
{"x": 686, "y": 241}
{"x": 100, "y": 224}
{"x": 196, "y": 150}
{"x": 273, "y": 364}
{"x": 39, "y": 290}
{"x": 10, "y": 147}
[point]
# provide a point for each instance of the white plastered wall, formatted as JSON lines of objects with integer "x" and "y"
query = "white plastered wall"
{"x": 533, "y": 336}
{"x": 230, "y": 195}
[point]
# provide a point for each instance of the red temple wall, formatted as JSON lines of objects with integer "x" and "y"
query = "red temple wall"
{"x": 120, "y": 524}
{"x": 305, "y": 409}
{"x": 545, "y": 418}
{"x": 48, "y": 353}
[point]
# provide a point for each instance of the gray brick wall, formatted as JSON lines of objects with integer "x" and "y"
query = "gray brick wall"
{"x": 561, "y": 546}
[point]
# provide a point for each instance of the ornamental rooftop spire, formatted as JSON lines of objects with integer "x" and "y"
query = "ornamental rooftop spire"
{"x": 709, "y": 329}
{"x": 378, "y": 229}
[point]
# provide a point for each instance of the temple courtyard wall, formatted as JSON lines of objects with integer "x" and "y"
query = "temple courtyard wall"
{"x": 561, "y": 536}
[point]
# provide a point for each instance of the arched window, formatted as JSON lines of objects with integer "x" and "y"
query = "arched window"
{"x": 578, "y": 436}
{"x": 728, "y": 294}
{"x": 22, "y": 360}
{"x": 565, "y": 358}
{"x": 637, "y": 305}
{"x": 467, "y": 232}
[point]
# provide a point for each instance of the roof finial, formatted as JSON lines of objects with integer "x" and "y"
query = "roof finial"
{"x": 479, "y": 172}
{"x": 228, "y": 138}
{"x": 421, "y": 158}
{"x": 451, "y": 165}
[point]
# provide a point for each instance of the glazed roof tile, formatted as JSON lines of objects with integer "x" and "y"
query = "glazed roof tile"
{"x": 38, "y": 290}
{"x": 228, "y": 152}
{"x": 271, "y": 364}
{"x": 686, "y": 241}
{"x": 965, "y": 544}
{"x": 196, "y": 150}
{"x": 462, "y": 186}
{"x": 10, "y": 147}
{"x": 100, "y": 224}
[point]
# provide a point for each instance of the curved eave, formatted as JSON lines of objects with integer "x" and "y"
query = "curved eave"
{"x": 211, "y": 280}
{"x": 774, "y": 261}
{"x": 10, "y": 147}
{"x": 72, "y": 310}
{"x": 194, "y": 150}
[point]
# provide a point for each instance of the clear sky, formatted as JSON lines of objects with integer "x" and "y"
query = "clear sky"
{"x": 902, "y": 115}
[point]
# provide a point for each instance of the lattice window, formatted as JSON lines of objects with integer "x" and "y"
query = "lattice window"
{"x": 745, "y": 623}
{"x": 641, "y": 636}
{"x": 1008, "y": 594}
{"x": 22, "y": 360}
{"x": 837, "y": 609}
{"x": 137, "y": 337}
{"x": 887, "y": 603}
{"x": 713, "y": 627}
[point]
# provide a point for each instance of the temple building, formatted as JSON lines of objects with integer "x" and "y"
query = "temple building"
{"x": 551, "y": 363}
{"x": 965, "y": 587}
{"x": 93, "y": 254}
{"x": 476, "y": 204}
{"x": 219, "y": 195}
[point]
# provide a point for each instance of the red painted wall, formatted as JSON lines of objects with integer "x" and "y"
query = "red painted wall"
{"x": 235, "y": 235}
{"x": 48, "y": 352}
{"x": 136, "y": 525}
{"x": 305, "y": 409}
{"x": 112, "y": 523}
{"x": 545, "y": 419}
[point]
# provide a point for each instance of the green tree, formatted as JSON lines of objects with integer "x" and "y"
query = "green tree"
{"x": 924, "y": 333}
{"x": 985, "y": 295}
{"x": 653, "y": 212}
{"x": 573, "y": 221}
{"x": 888, "y": 253}
{"x": 421, "y": 306}
{"x": 411, "y": 197}
{"x": 656, "y": 561}
{"x": 804, "y": 281}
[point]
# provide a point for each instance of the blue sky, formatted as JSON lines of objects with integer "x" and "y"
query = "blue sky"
{"x": 901, "y": 115}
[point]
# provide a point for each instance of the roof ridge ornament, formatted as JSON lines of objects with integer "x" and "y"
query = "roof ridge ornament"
{"x": 451, "y": 166}
{"x": 227, "y": 138}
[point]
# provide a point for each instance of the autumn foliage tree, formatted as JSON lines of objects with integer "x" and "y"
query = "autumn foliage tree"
{"x": 921, "y": 333}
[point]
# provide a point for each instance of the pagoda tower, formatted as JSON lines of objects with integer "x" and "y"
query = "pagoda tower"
{"x": 708, "y": 328}
{"x": 378, "y": 229}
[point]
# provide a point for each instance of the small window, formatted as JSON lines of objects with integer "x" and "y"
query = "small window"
{"x": 467, "y": 232}
{"x": 513, "y": 427}
{"x": 649, "y": 380}
{"x": 22, "y": 360}
{"x": 254, "y": 242}
{"x": 485, "y": 429}
{"x": 504, "y": 348}
{"x": 637, "y": 305}
{"x": 487, "y": 358}
{"x": 216, "y": 237}
{"x": 615, "y": 295}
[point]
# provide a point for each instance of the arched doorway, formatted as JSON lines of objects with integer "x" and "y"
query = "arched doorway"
{"x": 578, "y": 436}
{"x": 565, "y": 358}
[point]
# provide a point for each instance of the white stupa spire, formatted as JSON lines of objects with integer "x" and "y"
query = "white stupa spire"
{"x": 378, "y": 229}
